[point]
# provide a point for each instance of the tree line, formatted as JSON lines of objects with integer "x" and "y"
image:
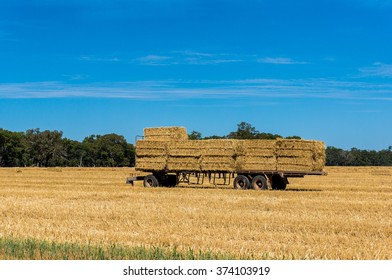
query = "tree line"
{"x": 49, "y": 148}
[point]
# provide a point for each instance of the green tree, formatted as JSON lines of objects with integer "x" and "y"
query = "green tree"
{"x": 247, "y": 131}
{"x": 12, "y": 149}
{"x": 336, "y": 157}
{"x": 194, "y": 135}
{"x": 46, "y": 147}
{"x": 293, "y": 137}
{"x": 74, "y": 153}
{"x": 108, "y": 150}
{"x": 244, "y": 131}
{"x": 90, "y": 148}
{"x": 113, "y": 150}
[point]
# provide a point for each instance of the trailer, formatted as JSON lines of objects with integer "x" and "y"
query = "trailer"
{"x": 166, "y": 157}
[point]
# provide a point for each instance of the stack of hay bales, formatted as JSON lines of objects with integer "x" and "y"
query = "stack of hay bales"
{"x": 168, "y": 148}
{"x": 299, "y": 155}
{"x": 169, "y": 133}
{"x": 184, "y": 155}
{"x": 255, "y": 155}
{"x": 201, "y": 155}
{"x": 152, "y": 152}
{"x": 218, "y": 155}
{"x": 151, "y": 155}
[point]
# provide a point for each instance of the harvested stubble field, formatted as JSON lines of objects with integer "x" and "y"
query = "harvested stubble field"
{"x": 345, "y": 215}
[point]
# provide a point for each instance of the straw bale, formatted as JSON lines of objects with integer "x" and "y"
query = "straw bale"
{"x": 294, "y": 153}
{"x": 319, "y": 156}
{"x": 256, "y": 159}
{"x": 217, "y": 163}
{"x": 183, "y": 163}
{"x": 255, "y": 163}
{"x": 185, "y": 148}
{"x": 151, "y": 163}
{"x": 295, "y": 144}
{"x": 255, "y": 166}
{"x": 184, "y": 166}
{"x": 258, "y": 143}
{"x": 294, "y": 167}
{"x": 172, "y": 159}
{"x": 257, "y": 152}
{"x": 169, "y": 133}
{"x": 185, "y": 152}
{"x": 218, "y": 147}
{"x": 255, "y": 147}
{"x": 295, "y": 160}
{"x": 150, "y": 148}
{"x": 150, "y": 152}
{"x": 150, "y": 144}
{"x": 219, "y": 143}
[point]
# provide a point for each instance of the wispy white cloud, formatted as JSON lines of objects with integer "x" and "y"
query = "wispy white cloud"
{"x": 252, "y": 89}
{"x": 188, "y": 58}
{"x": 76, "y": 77}
{"x": 99, "y": 59}
{"x": 279, "y": 60}
{"x": 377, "y": 70}
{"x": 153, "y": 59}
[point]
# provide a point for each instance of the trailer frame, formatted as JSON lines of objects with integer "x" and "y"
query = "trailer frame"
{"x": 243, "y": 179}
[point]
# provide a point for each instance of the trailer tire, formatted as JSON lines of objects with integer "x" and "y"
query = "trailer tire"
{"x": 278, "y": 183}
{"x": 150, "y": 181}
{"x": 241, "y": 182}
{"x": 259, "y": 182}
{"x": 170, "y": 181}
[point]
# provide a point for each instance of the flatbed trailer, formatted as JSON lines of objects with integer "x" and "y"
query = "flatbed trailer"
{"x": 169, "y": 158}
{"x": 243, "y": 179}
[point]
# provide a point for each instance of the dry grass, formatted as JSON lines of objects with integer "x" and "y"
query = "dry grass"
{"x": 345, "y": 215}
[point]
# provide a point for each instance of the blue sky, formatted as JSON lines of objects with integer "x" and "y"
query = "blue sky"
{"x": 318, "y": 69}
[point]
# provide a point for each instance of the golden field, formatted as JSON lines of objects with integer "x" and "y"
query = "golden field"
{"x": 345, "y": 215}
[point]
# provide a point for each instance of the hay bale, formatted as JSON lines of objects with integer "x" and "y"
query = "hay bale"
{"x": 255, "y": 163}
{"x": 294, "y": 167}
{"x": 295, "y": 160}
{"x": 169, "y": 133}
{"x": 294, "y": 144}
{"x": 319, "y": 156}
{"x": 150, "y": 163}
{"x": 150, "y": 148}
{"x": 183, "y": 163}
{"x": 218, "y": 147}
{"x": 255, "y": 166}
{"x": 294, "y": 153}
{"x": 300, "y": 155}
{"x": 151, "y": 155}
{"x": 217, "y": 163}
{"x": 185, "y": 148}
{"x": 258, "y": 144}
{"x": 255, "y": 147}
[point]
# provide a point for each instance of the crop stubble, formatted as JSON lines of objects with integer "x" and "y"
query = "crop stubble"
{"x": 345, "y": 215}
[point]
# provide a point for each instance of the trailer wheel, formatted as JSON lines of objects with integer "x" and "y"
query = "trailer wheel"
{"x": 150, "y": 181}
{"x": 278, "y": 183}
{"x": 170, "y": 181}
{"x": 259, "y": 183}
{"x": 241, "y": 182}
